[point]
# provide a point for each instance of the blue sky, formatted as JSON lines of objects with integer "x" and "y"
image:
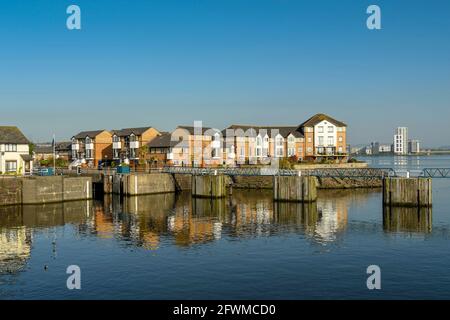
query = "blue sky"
{"x": 167, "y": 62}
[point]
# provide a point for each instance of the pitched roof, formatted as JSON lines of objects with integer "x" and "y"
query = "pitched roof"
{"x": 315, "y": 119}
{"x": 127, "y": 131}
{"x": 191, "y": 129}
{"x": 162, "y": 141}
{"x": 90, "y": 134}
{"x": 253, "y": 130}
{"x": 12, "y": 134}
{"x": 47, "y": 148}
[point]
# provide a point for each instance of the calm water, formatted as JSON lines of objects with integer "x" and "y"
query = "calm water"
{"x": 174, "y": 247}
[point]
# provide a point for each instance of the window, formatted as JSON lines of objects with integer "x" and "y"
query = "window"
{"x": 330, "y": 141}
{"x": 291, "y": 139}
{"x": 279, "y": 152}
{"x": 11, "y": 166}
{"x": 258, "y": 141}
{"x": 340, "y": 138}
{"x": 320, "y": 129}
{"x": 340, "y": 149}
{"x": 300, "y": 150}
{"x": 88, "y": 153}
{"x": 132, "y": 138}
{"x": 309, "y": 139}
{"x": 279, "y": 141}
{"x": 11, "y": 148}
{"x": 116, "y": 139}
{"x": 116, "y": 153}
{"x": 291, "y": 152}
{"x": 88, "y": 140}
{"x": 320, "y": 141}
{"x": 309, "y": 150}
{"x": 330, "y": 129}
{"x": 242, "y": 153}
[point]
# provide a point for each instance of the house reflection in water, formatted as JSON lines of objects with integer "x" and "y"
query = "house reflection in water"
{"x": 146, "y": 221}
{"x": 17, "y": 224}
{"x": 150, "y": 221}
{"x": 406, "y": 220}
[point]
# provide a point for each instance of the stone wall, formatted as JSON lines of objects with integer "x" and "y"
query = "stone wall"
{"x": 40, "y": 190}
{"x": 10, "y": 191}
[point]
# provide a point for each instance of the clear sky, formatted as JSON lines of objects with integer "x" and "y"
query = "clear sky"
{"x": 168, "y": 62}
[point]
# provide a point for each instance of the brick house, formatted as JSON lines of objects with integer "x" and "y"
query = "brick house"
{"x": 127, "y": 144}
{"x": 92, "y": 148}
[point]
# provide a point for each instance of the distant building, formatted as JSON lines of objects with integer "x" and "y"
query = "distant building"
{"x": 375, "y": 146}
{"x": 401, "y": 140}
{"x": 414, "y": 146}
{"x": 385, "y": 148}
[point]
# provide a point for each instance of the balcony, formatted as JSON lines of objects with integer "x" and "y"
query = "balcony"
{"x": 89, "y": 146}
{"x": 325, "y": 151}
{"x": 75, "y": 146}
{"x": 117, "y": 145}
{"x": 170, "y": 156}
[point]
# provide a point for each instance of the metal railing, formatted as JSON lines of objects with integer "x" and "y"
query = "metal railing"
{"x": 322, "y": 173}
{"x": 436, "y": 173}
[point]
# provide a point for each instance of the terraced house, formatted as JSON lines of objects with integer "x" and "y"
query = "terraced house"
{"x": 319, "y": 137}
{"x": 127, "y": 144}
{"x": 14, "y": 151}
{"x": 92, "y": 148}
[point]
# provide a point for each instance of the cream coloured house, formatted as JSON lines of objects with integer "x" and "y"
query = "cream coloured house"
{"x": 14, "y": 151}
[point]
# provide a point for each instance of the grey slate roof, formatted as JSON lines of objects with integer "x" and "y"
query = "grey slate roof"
{"x": 191, "y": 129}
{"x": 127, "y": 131}
{"x": 12, "y": 134}
{"x": 254, "y": 130}
{"x": 162, "y": 141}
{"x": 315, "y": 119}
{"x": 91, "y": 134}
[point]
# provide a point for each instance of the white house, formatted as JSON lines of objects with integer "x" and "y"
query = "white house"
{"x": 14, "y": 151}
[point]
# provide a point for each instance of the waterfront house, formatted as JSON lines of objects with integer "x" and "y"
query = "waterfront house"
{"x": 92, "y": 148}
{"x": 161, "y": 149}
{"x": 319, "y": 137}
{"x": 127, "y": 144}
{"x": 14, "y": 151}
{"x": 325, "y": 137}
{"x": 246, "y": 144}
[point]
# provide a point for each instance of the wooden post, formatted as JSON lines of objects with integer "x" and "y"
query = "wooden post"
{"x": 295, "y": 188}
{"x": 209, "y": 186}
{"x": 414, "y": 192}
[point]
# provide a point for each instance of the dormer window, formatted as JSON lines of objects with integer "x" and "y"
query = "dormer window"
{"x": 116, "y": 138}
{"x": 88, "y": 140}
{"x": 132, "y": 138}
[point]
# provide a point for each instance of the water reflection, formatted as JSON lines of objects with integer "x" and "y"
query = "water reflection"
{"x": 407, "y": 220}
{"x": 178, "y": 219}
{"x": 17, "y": 224}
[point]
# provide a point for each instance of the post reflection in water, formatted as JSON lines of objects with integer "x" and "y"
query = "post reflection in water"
{"x": 149, "y": 221}
{"x": 180, "y": 219}
{"x": 407, "y": 220}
